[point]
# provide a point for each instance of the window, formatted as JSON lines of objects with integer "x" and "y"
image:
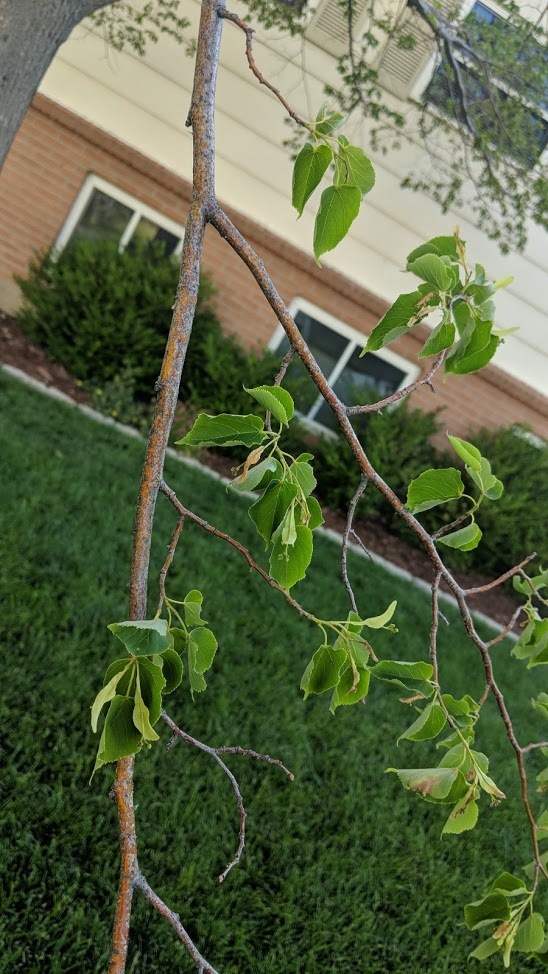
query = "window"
{"x": 103, "y": 212}
{"x": 337, "y": 349}
{"x": 512, "y": 111}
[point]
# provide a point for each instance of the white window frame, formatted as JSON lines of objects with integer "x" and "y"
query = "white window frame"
{"x": 93, "y": 182}
{"x": 356, "y": 339}
{"x": 419, "y": 87}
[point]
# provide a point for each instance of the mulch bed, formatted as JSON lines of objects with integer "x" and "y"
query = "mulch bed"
{"x": 18, "y": 351}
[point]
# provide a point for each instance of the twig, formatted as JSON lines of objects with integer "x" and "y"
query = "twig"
{"x": 248, "y": 31}
{"x": 425, "y": 379}
{"x": 184, "y": 511}
{"x": 500, "y": 579}
{"x": 533, "y": 747}
{"x": 348, "y": 530}
{"x": 202, "y": 964}
{"x": 449, "y": 527}
{"x": 507, "y": 629}
{"x": 169, "y": 558}
{"x": 214, "y": 753}
{"x": 434, "y": 626}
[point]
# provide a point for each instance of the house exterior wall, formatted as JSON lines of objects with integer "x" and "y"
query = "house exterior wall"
{"x": 54, "y": 152}
{"x": 144, "y": 102}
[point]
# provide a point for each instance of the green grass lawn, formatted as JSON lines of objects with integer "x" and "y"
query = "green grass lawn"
{"x": 343, "y": 870}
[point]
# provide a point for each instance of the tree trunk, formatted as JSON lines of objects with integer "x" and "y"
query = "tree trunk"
{"x": 31, "y": 31}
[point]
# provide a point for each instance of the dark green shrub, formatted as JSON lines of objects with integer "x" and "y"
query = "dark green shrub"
{"x": 105, "y": 315}
{"x": 101, "y": 312}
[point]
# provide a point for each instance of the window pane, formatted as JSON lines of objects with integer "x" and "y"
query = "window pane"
{"x": 326, "y": 345}
{"x": 104, "y": 218}
{"x": 149, "y": 232}
{"x": 363, "y": 380}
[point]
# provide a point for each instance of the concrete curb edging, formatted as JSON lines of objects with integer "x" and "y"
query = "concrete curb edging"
{"x": 207, "y": 471}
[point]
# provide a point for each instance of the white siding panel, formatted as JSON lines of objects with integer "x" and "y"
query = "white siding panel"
{"x": 145, "y": 103}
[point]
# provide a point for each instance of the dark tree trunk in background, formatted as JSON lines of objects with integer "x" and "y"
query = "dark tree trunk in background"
{"x": 31, "y": 31}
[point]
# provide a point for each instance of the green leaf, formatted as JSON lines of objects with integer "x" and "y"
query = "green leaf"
{"x": 357, "y": 168}
{"x": 348, "y": 692}
{"x": 459, "y": 708}
{"x": 254, "y": 476}
{"x": 288, "y": 533}
{"x": 379, "y": 622}
{"x": 106, "y": 694}
{"x": 530, "y": 935}
{"x": 399, "y": 318}
{"x": 508, "y": 884}
{"x": 121, "y": 737}
{"x": 224, "y": 430}
{"x": 492, "y": 907}
{"x": 339, "y": 207}
{"x": 494, "y": 489}
{"x": 192, "y": 607}
{"x": 434, "y": 487}
{"x": 463, "y": 818}
{"x": 308, "y": 171}
{"x": 466, "y": 451}
{"x": 428, "y": 782}
{"x": 485, "y": 949}
{"x": 322, "y": 673}
{"x": 455, "y": 757}
{"x": 540, "y": 703}
{"x": 268, "y": 512}
{"x": 288, "y": 564}
{"x": 465, "y": 539}
{"x": 325, "y": 124}
{"x": 442, "y": 337}
{"x": 428, "y": 725}
{"x": 410, "y": 676}
{"x": 474, "y": 350}
{"x": 152, "y": 683}
{"x": 141, "y": 716}
{"x": 180, "y": 640}
{"x": 172, "y": 668}
{"x": 277, "y": 400}
{"x": 118, "y": 666}
{"x": 303, "y": 473}
{"x": 145, "y": 638}
{"x": 315, "y": 513}
{"x": 202, "y": 647}
{"x": 430, "y": 268}
{"x": 533, "y": 643}
{"x": 439, "y": 246}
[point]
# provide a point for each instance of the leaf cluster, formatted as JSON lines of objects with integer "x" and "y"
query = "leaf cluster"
{"x": 353, "y": 178}
{"x": 461, "y": 299}
{"x": 135, "y": 685}
{"x": 435, "y": 487}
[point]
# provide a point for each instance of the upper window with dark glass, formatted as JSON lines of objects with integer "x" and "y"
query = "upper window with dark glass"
{"x": 337, "y": 347}
{"x": 104, "y": 212}
{"x": 502, "y": 97}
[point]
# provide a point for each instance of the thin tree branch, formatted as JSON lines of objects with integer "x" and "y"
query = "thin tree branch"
{"x": 165, "y": 567}
{"x": 502, "y": 578}
{"x": 425, "y": 379}
{"x": 201, "y": 963}
{"x": 185, "y": 512}
{"x": 434, "y": 627}
{"x": 346, "y": 537}
{"x": 177, "y": 732}
{"x": 214, "y": 753}
{"x": 507, "y": 629}
{"x": 248, "y": 31}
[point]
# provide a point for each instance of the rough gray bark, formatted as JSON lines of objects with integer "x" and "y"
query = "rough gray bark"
{"x": 31, "y": 31}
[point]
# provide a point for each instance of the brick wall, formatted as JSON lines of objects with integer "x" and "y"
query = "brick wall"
{"x": 54, "y": 152}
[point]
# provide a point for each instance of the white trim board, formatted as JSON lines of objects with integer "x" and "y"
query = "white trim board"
{"x": 207, "y": 471}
